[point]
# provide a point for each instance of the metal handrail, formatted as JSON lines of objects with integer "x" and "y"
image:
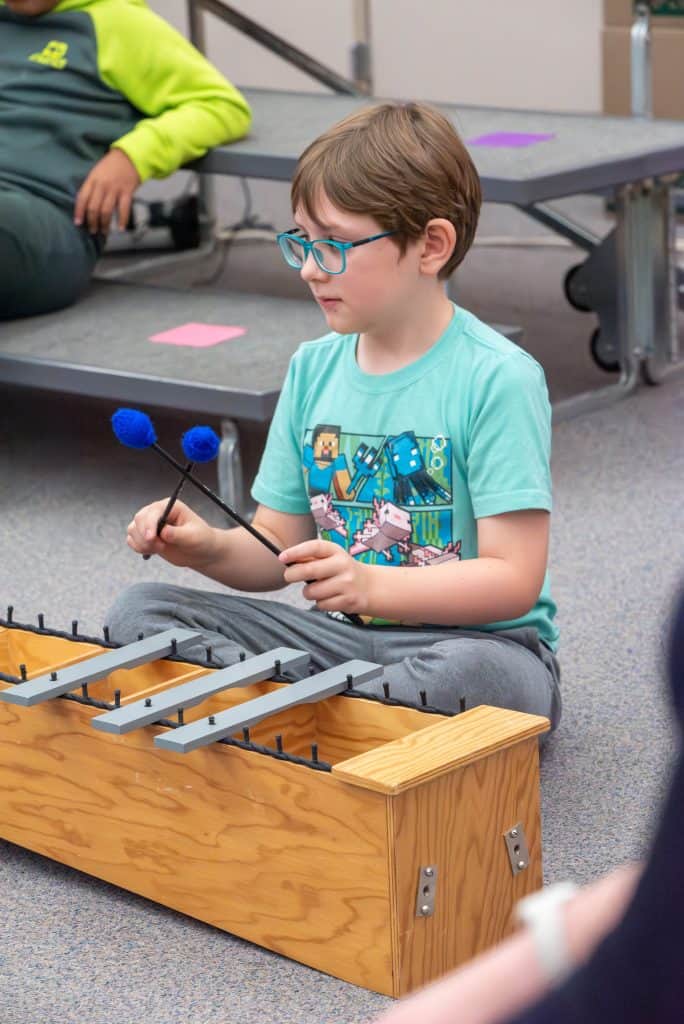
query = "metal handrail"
{"x": 276, "y": 44}
{"x": 641, "y": 72}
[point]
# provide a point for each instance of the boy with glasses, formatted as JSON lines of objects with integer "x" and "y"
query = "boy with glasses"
{"x": 406, "y": 472}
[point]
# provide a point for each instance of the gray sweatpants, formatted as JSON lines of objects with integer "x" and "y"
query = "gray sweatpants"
{"x": 510, "y": 669}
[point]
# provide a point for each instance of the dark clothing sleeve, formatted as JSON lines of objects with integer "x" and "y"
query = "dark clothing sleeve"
{"x": 636, "y": 975}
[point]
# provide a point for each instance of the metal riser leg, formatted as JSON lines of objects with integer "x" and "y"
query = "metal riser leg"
{"x": 229, "y": 468}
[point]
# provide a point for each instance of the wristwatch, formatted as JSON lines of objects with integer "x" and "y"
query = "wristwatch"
{"x": 540, "y": 912}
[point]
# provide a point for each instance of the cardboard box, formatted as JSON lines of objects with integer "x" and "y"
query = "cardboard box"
{"x": 667, "y": 64}
{"x": 620, "y": 14}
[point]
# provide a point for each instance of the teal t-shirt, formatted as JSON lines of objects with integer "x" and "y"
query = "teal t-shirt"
{"x": 397, "y": 467}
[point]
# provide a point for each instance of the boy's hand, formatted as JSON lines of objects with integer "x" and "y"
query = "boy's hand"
{"x": 109, "y": 187}
{"x": 334, "y": 580}
{"x": 186, "y": 539}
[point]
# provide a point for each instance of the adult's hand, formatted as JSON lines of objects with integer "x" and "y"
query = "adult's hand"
{"x": 108, "y": 188}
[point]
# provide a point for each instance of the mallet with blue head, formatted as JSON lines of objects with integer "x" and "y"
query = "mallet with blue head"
{"x": 134, "y": 429}
{"x": 200, "y": 444}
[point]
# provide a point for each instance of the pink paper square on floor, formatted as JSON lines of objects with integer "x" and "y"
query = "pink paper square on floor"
{"x": 198, "y": 335}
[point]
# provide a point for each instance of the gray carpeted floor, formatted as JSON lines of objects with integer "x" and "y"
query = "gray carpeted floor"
{"x": 73, "y": 949}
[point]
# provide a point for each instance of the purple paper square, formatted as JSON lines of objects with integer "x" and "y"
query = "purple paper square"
{"x": 514, "y": 140}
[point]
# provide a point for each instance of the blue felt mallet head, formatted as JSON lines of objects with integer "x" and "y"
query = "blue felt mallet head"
{"x": 133, "y": 428}
{"x": 200, "y": 444}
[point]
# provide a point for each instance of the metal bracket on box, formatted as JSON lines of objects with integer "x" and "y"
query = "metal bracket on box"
{"x": 516, "y": 845}
{"x": 427, "y": 887}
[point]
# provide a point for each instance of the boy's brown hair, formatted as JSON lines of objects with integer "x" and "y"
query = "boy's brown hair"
{"x": 400, "y": 163}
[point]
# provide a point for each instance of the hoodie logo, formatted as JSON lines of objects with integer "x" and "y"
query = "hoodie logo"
{"x": 53, "y": 55}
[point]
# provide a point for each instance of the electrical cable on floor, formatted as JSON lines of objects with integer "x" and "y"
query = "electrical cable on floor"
{"x": 248, "y": 228}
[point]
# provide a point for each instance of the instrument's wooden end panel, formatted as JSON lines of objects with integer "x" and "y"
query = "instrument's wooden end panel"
{"x": 456, "y": 823}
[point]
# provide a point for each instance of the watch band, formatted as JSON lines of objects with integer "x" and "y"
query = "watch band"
{"x": 541, "y": 913}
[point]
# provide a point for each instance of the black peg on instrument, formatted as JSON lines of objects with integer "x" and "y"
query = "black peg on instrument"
{"x": 148, "y": 702}
{"x": 314, "y": 752}
{"x": 242, "y": 655}
{"x": 53, "y": 676}
{"x": 279, "y": 743}
{"x": 105, "y": 633}
{"x": 174, "y": 646}
{"x": 386, "y": 690}
{"x": 462, "y": 704}
{"x": 181, "y": 716}
{"x": 117, "y": 698}
{"x": 423, "y": 698}
{"x": 276, "y": 667}
{"x": 10, "y": 612}
{"x": 41, "y": 620}
{"x": 211, "y": 720}
{"x": 22, "y": 672}
{"x": 141, "y": 636}
{"x": 84, "y": 690}
{"x": 74, "y": 627}
{"x": 245, "y": 734}
{"x": 209, "y": 653}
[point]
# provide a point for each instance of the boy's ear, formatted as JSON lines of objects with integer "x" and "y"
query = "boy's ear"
{"x": 439, "y": 239}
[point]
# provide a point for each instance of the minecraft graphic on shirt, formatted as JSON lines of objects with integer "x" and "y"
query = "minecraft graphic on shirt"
{"x": 386, "y": 500}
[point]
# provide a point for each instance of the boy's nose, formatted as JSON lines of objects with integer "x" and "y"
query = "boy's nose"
{"x": 310, "y": 270}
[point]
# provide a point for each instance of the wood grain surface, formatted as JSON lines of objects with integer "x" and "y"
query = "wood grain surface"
{"x": 440, "y": 748}
{"x": 319, "y": 866}
{"x": 457, "y": 822}
{"x": 275, "y": 852}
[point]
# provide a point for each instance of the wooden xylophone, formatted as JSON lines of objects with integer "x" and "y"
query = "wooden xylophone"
{"x": 380, "y": 842}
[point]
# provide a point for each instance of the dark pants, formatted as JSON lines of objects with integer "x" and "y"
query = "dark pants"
{"x": 45, "y": 261}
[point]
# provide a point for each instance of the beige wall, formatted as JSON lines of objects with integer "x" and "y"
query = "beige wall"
{"x": 539, "y": 54}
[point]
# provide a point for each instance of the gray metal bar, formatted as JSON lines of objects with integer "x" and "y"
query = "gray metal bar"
{"x": 229, "y": 467}
{"x": 664, "y": 224}
{"x": 225, "y": 723}
{"x": 205, "y": 185}
{"x": 361, "y": 50}
{"x": 641, "y": 76}
{"x": 632, "y": 315}
{"x": 187, "y": 695}
{"x": 196, "y": 25}
{"x": 563, "y": 226}
{"x": 276, "y": 44}
{"x": 45, "y": 687}
{"x": 636, "y": 277}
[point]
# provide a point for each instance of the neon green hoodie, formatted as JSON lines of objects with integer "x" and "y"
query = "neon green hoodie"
{"x": 93, "y": 74}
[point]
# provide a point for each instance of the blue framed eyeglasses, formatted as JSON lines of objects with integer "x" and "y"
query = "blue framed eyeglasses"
{"x": 331, "y": 256}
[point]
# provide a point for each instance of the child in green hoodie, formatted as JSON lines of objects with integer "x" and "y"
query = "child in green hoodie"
{"x": 96, "y": 96}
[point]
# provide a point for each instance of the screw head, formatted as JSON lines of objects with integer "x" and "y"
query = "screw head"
{"x": 521, "y": 865}
{"x": 429, "y": 872}
{"x": 514, "y": 833}
{"x": 425, "y": 910}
